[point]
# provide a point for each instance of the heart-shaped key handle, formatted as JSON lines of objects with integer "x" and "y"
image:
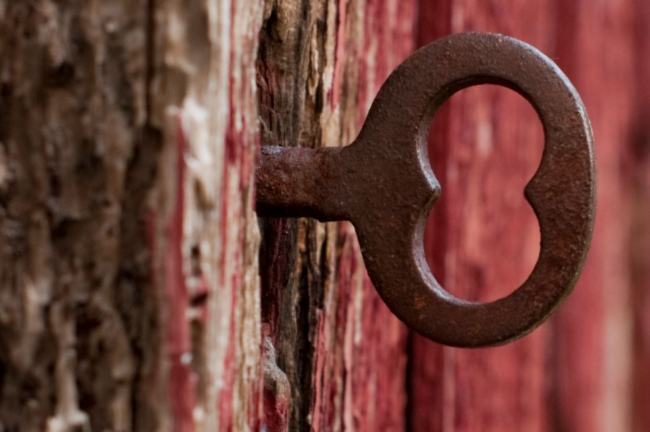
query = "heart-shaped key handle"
{"x": 384, "y": 185}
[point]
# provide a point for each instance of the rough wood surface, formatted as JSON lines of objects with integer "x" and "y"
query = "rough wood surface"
{"x": 319, "y": 67}
{"x": 130, "y": 294}
{"x": 78, "y": 158}
{"x": 206, "y": 261}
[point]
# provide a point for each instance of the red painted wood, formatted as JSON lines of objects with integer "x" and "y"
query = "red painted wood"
{"x": 375, "y": 355}
{"x": 343, "y": 370}
{"x": 587, "y": 369}
{"x": 182, "y": 379}
{"x": 203, "y": 231}
{"x": 638, "y": 164}
{"x": 483, "y": 238}
{"x": 368, "y": 375}
{"x": 594, "y": 338}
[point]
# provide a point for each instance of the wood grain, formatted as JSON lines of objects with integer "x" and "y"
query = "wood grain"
{"x": 204, "y": 228}
{"x": 344, "y": 371}
{"x": 586, "y": 370}
{"x": 130, "y": 292}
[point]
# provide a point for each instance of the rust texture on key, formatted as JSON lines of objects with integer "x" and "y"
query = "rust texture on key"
{"x": 384, "y": 185}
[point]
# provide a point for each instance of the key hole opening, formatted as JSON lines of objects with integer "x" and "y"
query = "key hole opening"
{"x": 482, "y": 237}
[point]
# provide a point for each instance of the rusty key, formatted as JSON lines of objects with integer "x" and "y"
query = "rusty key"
{"x": 384, "y": 185}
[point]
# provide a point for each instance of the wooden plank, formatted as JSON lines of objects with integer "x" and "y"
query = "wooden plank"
{"x": 594, "y": 330}
{"x": 483, "y": 238}
{"x": 587, "y": 369}
{"x": 638, "y": 165}
{"x": 203, "y": 230}
{"x": 344, "y": 371}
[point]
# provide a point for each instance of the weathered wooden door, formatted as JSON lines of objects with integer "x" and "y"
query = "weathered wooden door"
{"x": 140, "y": 292}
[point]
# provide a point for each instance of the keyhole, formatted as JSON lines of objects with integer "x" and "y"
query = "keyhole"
{"x": 482, "y": 236}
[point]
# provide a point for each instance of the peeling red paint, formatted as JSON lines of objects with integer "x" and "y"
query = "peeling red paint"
{"x": 241, "y": 162}
{"x": 182, "y": 380}
{"x": 232, "y": 152}
{"x": 389, "y": 38}
{"x": 358, "y": 366}
{"x": 369, "y": 364}
{"x": 375, "y": 342}
{"x": 226, "y": 393}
